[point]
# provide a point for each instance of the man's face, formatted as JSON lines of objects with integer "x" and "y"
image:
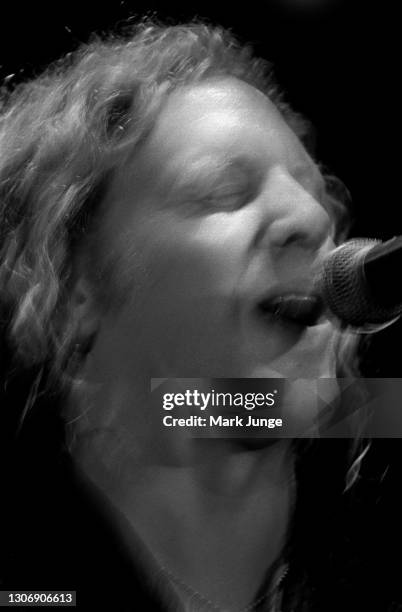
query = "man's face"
{"x": 219, "y": 209}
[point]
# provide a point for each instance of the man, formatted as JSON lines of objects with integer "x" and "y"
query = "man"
{"x": 158, "y": 202}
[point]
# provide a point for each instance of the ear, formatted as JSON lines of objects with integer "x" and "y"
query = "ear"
{"x": 85, "y": 312}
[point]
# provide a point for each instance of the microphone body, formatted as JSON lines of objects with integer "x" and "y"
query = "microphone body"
{"x": 361, "y": 282}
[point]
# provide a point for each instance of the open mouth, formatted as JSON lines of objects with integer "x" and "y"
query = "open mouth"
{"x": 300, "y": 309}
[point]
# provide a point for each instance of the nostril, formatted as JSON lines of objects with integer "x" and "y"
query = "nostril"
{"x": 291, "y": 214}
{"x": 301, "y": 229}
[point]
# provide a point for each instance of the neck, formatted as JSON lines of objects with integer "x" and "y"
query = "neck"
{"x": 215, "y": 512}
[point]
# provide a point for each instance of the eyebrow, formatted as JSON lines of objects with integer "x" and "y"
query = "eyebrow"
{"x": 216, "y": 164}
{"x": 224, "y": 163}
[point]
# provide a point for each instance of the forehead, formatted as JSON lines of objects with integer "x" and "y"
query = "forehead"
{"x": 211, "y": 124}
{"x": 225, "y": 117}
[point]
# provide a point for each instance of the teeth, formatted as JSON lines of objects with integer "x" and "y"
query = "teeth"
{"x": 302, "y": 309}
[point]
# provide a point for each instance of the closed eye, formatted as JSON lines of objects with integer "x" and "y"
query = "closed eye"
{"x": 229, "y": 197}
{"x": 220, "y": 186}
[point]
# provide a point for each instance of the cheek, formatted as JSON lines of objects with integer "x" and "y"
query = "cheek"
{"x": 180, "y": 282}
{"x": 187, "y": 260}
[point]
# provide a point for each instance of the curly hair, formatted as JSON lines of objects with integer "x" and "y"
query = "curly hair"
{"x": 61, "y": 137}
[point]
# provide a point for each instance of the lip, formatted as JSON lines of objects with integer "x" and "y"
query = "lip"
{"x": 280, "y": 345}
{"x": 292, "y": 305}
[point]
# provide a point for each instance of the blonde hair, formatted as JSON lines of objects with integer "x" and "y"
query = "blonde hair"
{"x": 61, "y": 137}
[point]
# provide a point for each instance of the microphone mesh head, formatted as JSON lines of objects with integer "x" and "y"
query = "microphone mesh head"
{"x": 344, "y": 289}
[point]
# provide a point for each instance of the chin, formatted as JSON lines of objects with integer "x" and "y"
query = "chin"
{"x": 282, "y": 350}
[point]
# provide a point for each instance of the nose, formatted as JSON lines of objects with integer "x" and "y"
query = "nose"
{"x": 294, "y": 217}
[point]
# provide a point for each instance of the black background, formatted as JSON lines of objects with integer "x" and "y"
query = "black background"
{"x": 337, "y": 60}
{"x": 338, "y": 63}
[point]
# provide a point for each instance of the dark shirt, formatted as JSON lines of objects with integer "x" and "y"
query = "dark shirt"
{"x": 59, "y": 533}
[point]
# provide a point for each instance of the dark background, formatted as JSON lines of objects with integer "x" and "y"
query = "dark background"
{"x": 338, "y": 63}
{"x": 336, "y": 59}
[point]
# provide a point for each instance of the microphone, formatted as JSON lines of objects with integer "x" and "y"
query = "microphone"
{"x": 361, "y": 282}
